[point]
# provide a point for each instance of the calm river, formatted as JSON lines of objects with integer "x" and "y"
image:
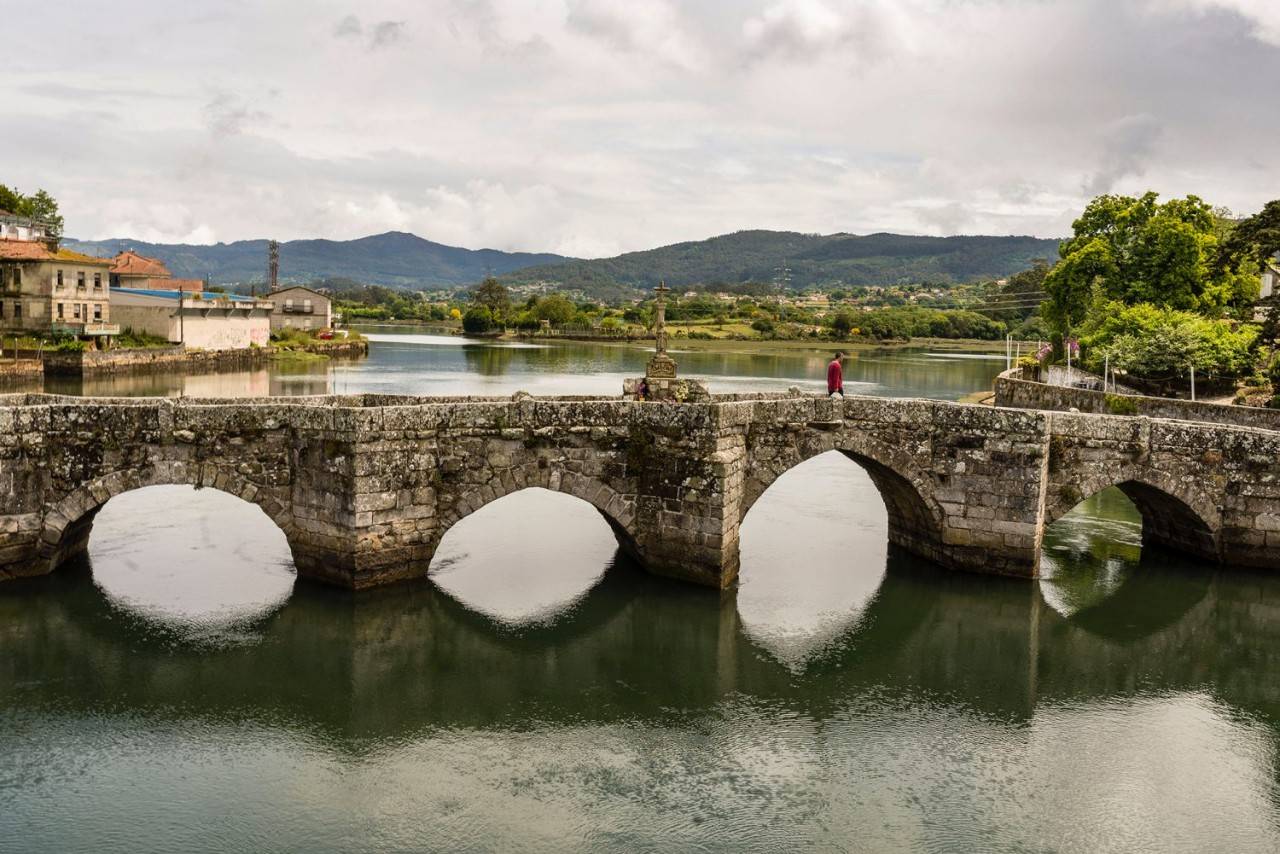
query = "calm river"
{"x": 177, "y": 692}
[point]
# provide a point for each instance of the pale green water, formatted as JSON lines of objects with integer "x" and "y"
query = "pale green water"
{"x": 178, "y": 692}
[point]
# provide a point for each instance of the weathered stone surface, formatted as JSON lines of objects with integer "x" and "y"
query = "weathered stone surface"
{"x": 364, "y": 487}
{"x": 1012, "y": 391}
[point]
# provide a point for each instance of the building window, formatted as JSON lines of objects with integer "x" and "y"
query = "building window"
{"x": 288, "y": 303}
{"x": 97, "y": 281}
{"x": 17, "y": 277}
{"x": 59, "y": 281}
{"x": 60, "y": 314}
{"x": 80, "y": 281}
{"x": 76, "y": 310}
{"x": 17, "y": 310}
{"x": 1, "y": 309}
{"x": 306, "y": 306}
{"x": 97, "y": 311}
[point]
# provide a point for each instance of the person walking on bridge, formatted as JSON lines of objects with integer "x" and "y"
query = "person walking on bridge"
{"x": 835, "y": 376}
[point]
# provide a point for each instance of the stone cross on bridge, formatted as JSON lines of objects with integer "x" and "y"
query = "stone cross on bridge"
{"x": 364, "y": 487}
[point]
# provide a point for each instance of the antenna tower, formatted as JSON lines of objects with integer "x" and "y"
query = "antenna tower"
{"x": 273, "y": 266}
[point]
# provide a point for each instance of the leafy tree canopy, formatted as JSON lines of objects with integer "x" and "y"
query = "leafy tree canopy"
{"x": 556, "y": 309}
{"x": 492, "y": 294}
{"x": 1138, "y": 250}
{"x": 1256, "y": 237}
{"x": 477, "y": 320}
{"x": 1161, "y": 344}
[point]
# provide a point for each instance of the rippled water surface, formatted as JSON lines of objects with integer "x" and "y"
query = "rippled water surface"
{"x": 177, "y": 691}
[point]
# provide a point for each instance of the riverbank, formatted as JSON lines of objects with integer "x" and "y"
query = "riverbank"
{"x": 179, "y": 358}
{"x": 677, "y": 344}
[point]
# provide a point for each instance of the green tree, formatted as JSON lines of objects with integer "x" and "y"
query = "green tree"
{"x": 1021, "y": 296}
{"x": 10, "y": 200}
{"x": 1137, "y": 250}
{"x": 842, "y": 324}
{"x": 556, "y": 309}
{"x": 1160, "y": 343}
{"x": 493, "y": 295}
{"x": 1256, "y": 237}
{"x": 477, "y": 320}
{"x": 44, "y": 208}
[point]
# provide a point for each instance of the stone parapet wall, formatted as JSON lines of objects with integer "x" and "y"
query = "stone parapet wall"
{"x": 1026, "y": 394}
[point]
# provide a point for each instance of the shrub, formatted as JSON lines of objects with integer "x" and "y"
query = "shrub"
{"x": 1159, "y": 343}
{"x": 1120, "y": 405}
{"x": 477, "y": 320}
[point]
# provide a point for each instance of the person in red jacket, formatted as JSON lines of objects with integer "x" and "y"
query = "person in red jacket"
{"x": 835, "y": 376}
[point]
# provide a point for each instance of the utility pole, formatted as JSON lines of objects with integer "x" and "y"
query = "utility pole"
{"x": 782, "y": 281}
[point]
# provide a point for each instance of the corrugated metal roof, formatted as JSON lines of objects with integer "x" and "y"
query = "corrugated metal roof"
{"x": 173, "y": 295}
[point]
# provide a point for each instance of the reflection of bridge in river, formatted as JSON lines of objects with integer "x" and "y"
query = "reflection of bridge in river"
{"x": 398, "y": 660}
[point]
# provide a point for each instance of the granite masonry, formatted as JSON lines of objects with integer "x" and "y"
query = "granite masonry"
{"x": 364, "y": 487}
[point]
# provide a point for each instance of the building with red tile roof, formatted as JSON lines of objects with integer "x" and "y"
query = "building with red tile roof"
{"x": 45, "y": 289}
{"x": 131, "y": 270}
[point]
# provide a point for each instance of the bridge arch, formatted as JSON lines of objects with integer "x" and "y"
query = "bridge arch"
{"x": 915, "y": 518}
{"x": 69, "y": 519}
{"x": 618, "y": 510}
{"x": 1174, "y": 513}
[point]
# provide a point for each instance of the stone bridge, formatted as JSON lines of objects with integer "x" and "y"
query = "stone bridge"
{"x": 364, "y": 487}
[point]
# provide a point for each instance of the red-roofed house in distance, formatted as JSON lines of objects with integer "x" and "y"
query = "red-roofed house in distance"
{"x": 132, "y": 270}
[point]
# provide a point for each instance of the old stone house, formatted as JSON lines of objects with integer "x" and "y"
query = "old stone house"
{"x": 300, "y": 308}
{"x": 46, "y": 290}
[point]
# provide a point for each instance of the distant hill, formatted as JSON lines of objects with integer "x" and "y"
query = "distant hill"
{"x": 812, "y": 259}
{"x": 394, "y": 258}
{"x": 404, "y": 260}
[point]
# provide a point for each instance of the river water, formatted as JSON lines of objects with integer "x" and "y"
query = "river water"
{"x": 177, "y": 691}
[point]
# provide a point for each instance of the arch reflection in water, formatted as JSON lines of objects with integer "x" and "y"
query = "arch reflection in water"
{"x": 965, "y": 711}
{"x": 525, "y": 558}
{"x": 1089, "y": 552}
{"x": 813, "y": 550}
{"x": 199, "y": 562}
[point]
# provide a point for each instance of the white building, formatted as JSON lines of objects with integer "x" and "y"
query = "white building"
{"x": 198, "y": 321}
{"x": 1270, "y": 278}
{"x": 14, "y": 227}
{"x": 301, "y": 308}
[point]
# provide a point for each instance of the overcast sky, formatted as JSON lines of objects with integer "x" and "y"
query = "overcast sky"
{"x": 591, "y": 127}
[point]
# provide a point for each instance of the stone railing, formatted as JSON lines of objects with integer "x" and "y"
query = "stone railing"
{"x": 1014, "y": 392}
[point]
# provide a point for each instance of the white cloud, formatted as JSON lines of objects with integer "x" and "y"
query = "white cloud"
{"x": 589, "y": 128}
{"x": 806, "y": 29}
{"x": 1263, "y": 15}
{"x": 1127, "y": 146}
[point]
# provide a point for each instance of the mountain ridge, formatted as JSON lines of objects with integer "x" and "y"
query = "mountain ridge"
{"x": 405, "y": 260}
{"x": 803, "y": 260}
{"x": 395, "y": 258}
